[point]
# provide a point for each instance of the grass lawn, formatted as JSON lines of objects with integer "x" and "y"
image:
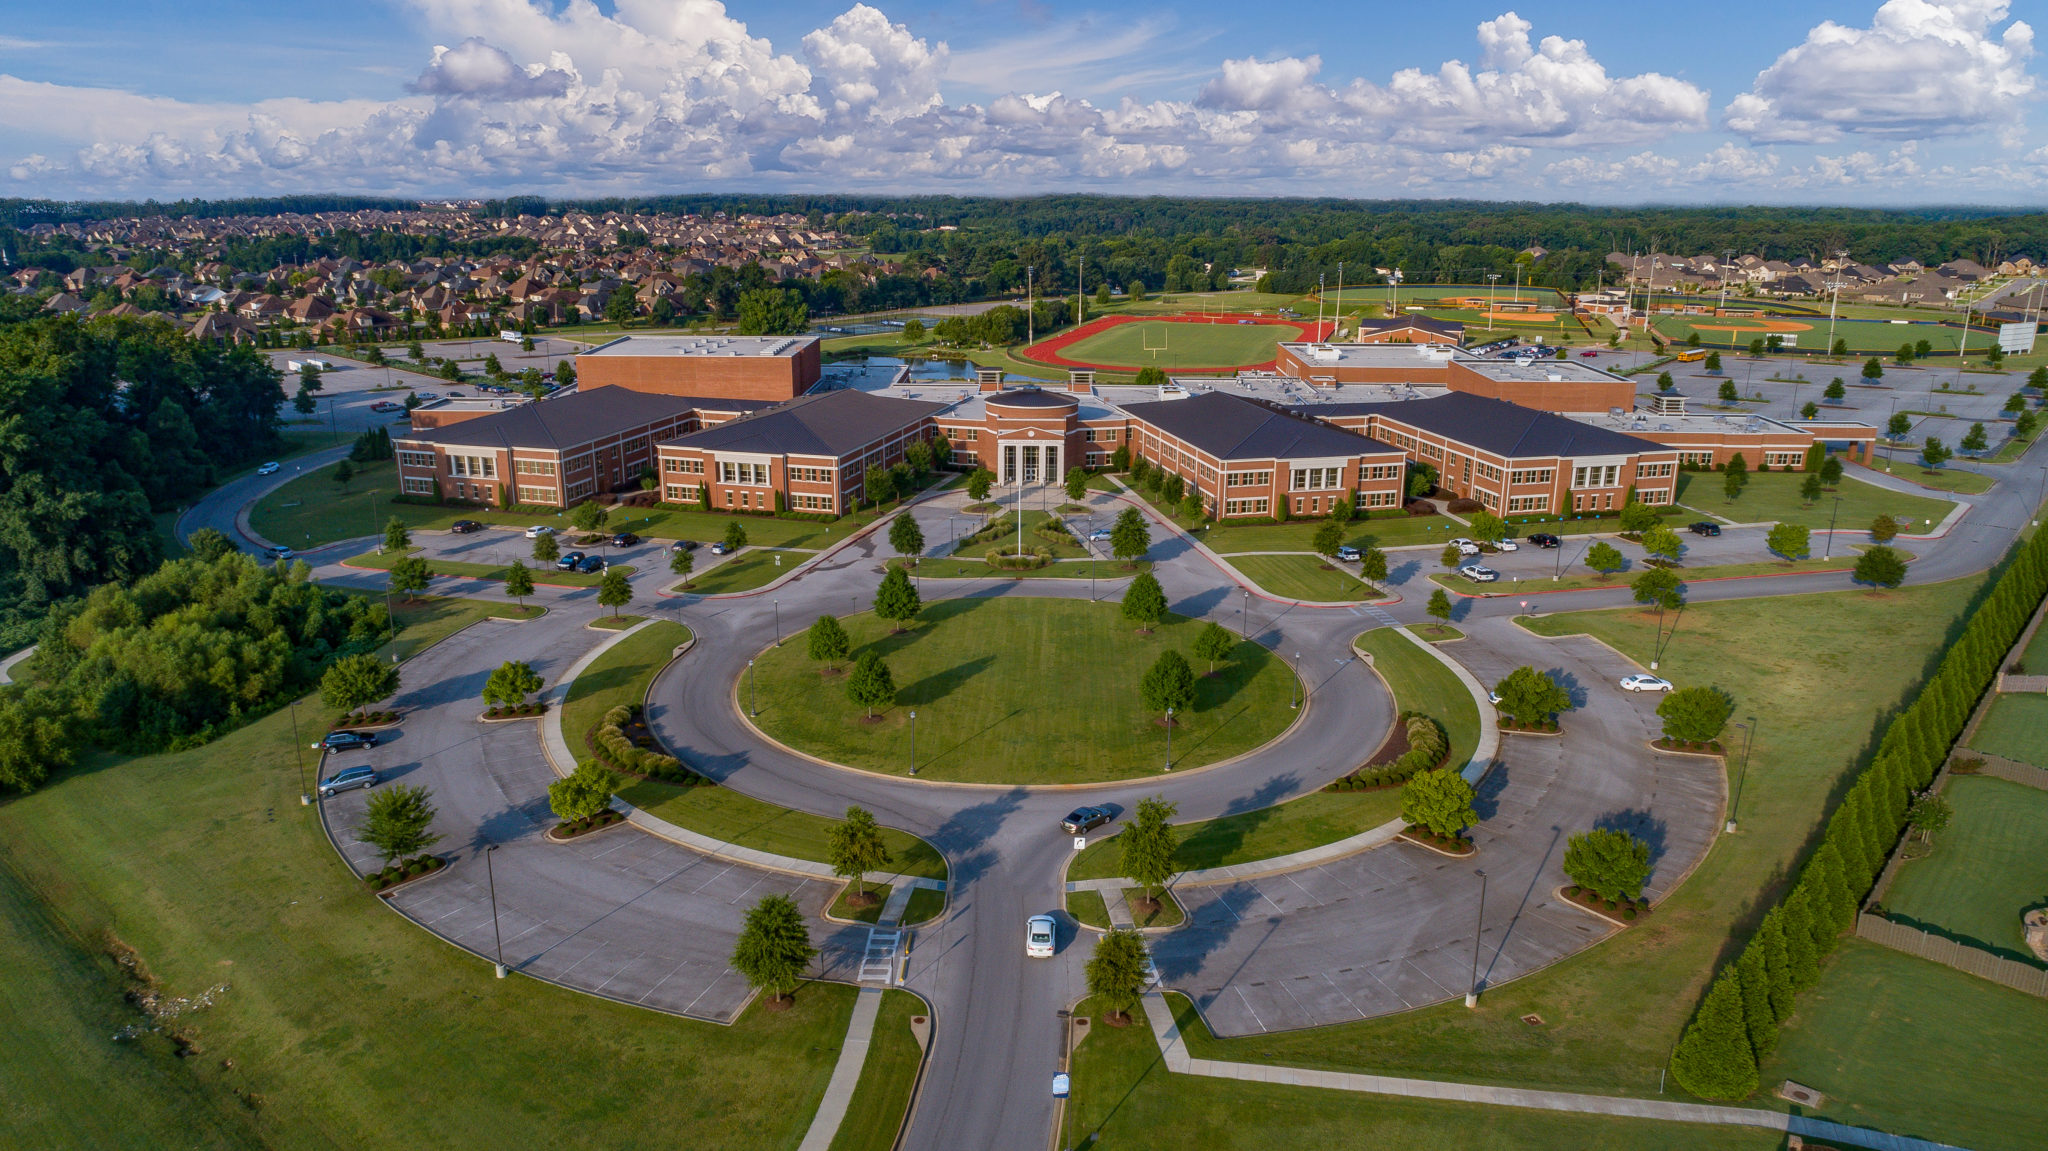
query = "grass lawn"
{"x": 336, "y": 1011}
{"x": 1437, "y": 632}
{"x": 1167, "y": 914}
{"x": 947, "y": 568}
{"x": 1089, "y": 907}
{"x": 2017, "y": 726}
{"x": 1915, "y": 1048}
{"x": 1304, "y": 578}
{"x": 925, "y": 905}
{"x": 518, "y": 611}
{"x": 728, "y": 816}
{"x": 886, "y": 1078}
{"x": 1773, "y": 497}
{"x": 1191, "y": 345}
{"x": 1294, "y": 535}
{"x": 1000, "y": 532}
{"x": 755, "y": 567}
{"x": 443, "y": 567}
{"x": 1987, "y": 867}
{"x": 978, "y": 673}
{"x": 616, "y": 622}
{"x": 1124, "y": 1096}
{"x": 620, "y": 675}
{"x": 2036, "y": 654}
{"x": 1419, "y": 683}
{"x": 1947, "y": 480}
{"x": 1844, "y": 559}
{"x": 313, "y": 510}
{"x": 842, "y": 906}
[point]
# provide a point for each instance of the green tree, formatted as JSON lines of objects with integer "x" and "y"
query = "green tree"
{"x": 1214, "y": 642}
{"x": 355, "y": 681}
{"x": 1663, "y": 543}
{"x": 583, "y": 792}
{"x": 1328, "y": 537}
{"x": 1881, "y": 566}
{"x": 589, "y": 516}
{"x": 1713, "y": 363}
{"x": 1756, "y": 346}
{"x": 621, "y": 307}
{"x": 410, "y": 576}
{"x": 1831, "y": 471}
{"x": 519, "y": 583}
{"x": 309, "y": 376}
{"x": 1440, "y": 606}
{"x": 1372, "y": 566}
{"x": 511, "y": 683}
{"x": 1898, "y": 426}
{"x": 871, "y": 686}
{"x": 1840, "y": 350}
{"x": 1809, "y": 410}
{"x": 1605, "y": 558}
{"x": 773, "y": 312}
{"x": 878, "y": 485}
{"x": 1342, "y": 510}
{"x": 1835, "y": 390}
{"x": 1168, "y": 683}
{"x": 343, "y": 473}
{"x": 1664, "y": 382}
{"x": 1146, "y": 846}
{"x": 1129, "y": 537}
{"x": 1527, "y": 696}
{"x": 1439, "y": 800}
{"x": 1695, "y": 714}
{"x": 545, "y": 549}
{"x": 905, "y": 536}
{"x": 1752, "y": 977}
{"x": 1611, "y": 864}
{"x": 827, "y": 641}
{"x": 1116, "y": 972}
{"x": 979, "y": 481}
{"x": 1872, "y": 370}
{"x": 854, "y": 847}
{"x": 735, "y": 536}
{"x": 896, "y": 600}
{"x": 1077, "y": 484}
{"x": 1637, "y": 517}
{"x": 1791, "y": 540}
{"x": 1452, "y": 556}
{"x": 1144, "y": 602}
{"x": 1975, "y": 440}
{"x": 209, "y": 545}
{"x": 774, "y": 948}
{"x": 565, "y": 373}
{"x": 913, "y": 330}
{"x": 1728, "y": 393}
{"x": 1713, "y": 1059}
{"x": 1171, "y": 487}
{"x": 1929, "y": 814}
{"x": 1486, "y": 527}
{"x": 1933, "y": 453}
{"x": 613, "y": 591}
{"x": 682, "y": 562}
{"x": 396, "y": 821}
{"x": 1421, "y": 481}
{"x": 1659, "y": 588}
{"x": 1770, "y": 940}
{"x": 396, "y": 538}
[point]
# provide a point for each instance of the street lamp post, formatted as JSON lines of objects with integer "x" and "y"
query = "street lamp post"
{"x": 1169, "y": 739}
{"x": 1301, "y": 687}
{"x": 753, "y": 700}
{"x": 1478, "y": 930}
{"x": 778, "y": 622}
{"x": 1748, "y": 735}
{"x": 1492, "y": 278}
{"x": 299, "y": 754}
{"x": 913, "y": 743}
{"x": 1828, "y": 550}
{"x": 497, "y": 937}
{"x": 1244, "y": 616}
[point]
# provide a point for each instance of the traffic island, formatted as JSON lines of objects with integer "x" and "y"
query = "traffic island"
{"x": 1454, "y": 846}
{"x": 1619, "y": 912}
{"x": 574, "y": 828}
{"x": 397, "y": 875}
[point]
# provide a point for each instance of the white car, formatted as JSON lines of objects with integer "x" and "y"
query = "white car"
{"x": 279, "y": 551}
{"x": 1641, "y": 682}
{"x": 1478, "y": 573}
{"x": 1465, "y": 547}
{"x": 269, "y": 469}
{"x": 1039, "y": 933}
{"x": 1507, "y": 546}
{"x": 539, "y": 530}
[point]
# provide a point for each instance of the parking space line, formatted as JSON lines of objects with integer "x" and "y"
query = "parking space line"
{"x": 602, "y": 944}
{"x": 621, "y": 970}
{"x": 1241, "y": 998}
{"x": 1340, "y": 991}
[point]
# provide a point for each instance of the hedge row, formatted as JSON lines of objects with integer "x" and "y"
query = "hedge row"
{"x": 1427, "y": 747}
{"x": 1736, "y": 1025}
{"x": 1036, "y": 558}
{"x": 616, "y": 750}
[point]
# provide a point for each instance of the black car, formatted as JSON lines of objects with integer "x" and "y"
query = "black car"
{"x": 346, "y": 741}
{"x": 1704, "y": 528}
{"x": 568, "y": 561}
{"x": 1543, "y": 540}
{"x": 591, "y": 565}
{"x": 625, "y": 540}
{"x": 683, "y": 546}
{"x": 1082, "y": 818}
{"x": 464, "y": 527}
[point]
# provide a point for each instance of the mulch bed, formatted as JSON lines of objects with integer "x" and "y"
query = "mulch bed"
{"x": 1710, "y": 748}
{"x": 524, "y": 711}
{"x": 1447, "y": 845}
{"x": 570, "y": 829}
{"x": 1547, "y": 727}
{"x": 404, "y": 871}
{"x": 1621, "y": 911}
{"x": 365, "y": 719}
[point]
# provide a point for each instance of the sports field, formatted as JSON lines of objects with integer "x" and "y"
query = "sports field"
{"x": 1192, "y": 343}
{"x": 1810, "y": 333}
{"x": 1507, "y": 311}
{"x": 1988, "y": 866}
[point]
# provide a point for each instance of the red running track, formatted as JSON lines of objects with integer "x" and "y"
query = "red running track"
{"x": 1048, "y": 351}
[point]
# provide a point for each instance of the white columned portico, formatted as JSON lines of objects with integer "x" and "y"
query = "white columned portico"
{"x": 1029, "y": 460}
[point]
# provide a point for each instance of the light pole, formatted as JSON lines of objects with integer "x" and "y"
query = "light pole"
{"x": 1492, "y": 278}
{"x": 913, "y": 743}
{"x": 1748, "y": 734}
{"x": 753, "y": 700}
{"x": 1169, "y": 739}
{"x": 1295, "y": 696}
{"x": 1244, "y": 611}
{"x": 497, "y": 937}
{"x": 299, "y": 754}
{"x": 1828, "y": 551}
{"x": 1478, "y": 930}
{"x": 778, "y": 621}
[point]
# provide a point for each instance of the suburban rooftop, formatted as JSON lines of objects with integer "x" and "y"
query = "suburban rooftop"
{"x": 704, "y": 346}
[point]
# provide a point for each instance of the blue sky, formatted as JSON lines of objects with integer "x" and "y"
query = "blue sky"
{"x": 1904, "y": 101}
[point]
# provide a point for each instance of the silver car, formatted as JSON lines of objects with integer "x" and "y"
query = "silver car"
{"x": 363, "y": 777}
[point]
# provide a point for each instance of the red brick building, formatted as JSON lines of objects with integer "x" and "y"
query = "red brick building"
{"x": 725, "y": 367}
{"x": 808, "y": 455}
{"x": 1249, "y": 459}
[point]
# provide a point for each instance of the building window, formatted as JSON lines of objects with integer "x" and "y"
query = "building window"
{"x": 1659, "y": 496}
{"x": 682, "y": 466}
{"x": 536, "y": 495}
{"x": 1382, "y": 499}
{"x": 743, "y": 473}
{"x": 1311, "y": 479}
{"x": 636, "y": 446}
{"x": 1245, "y": 507}
{"x": 415, "y": 487}
{"x": 579, "y": 490}
{"x": 1783, "y": 459}
{"x": 1655, "y": 471}
{"x": 1532, "y": 476}
{"x": 1528, "y": 503}
{"x": 1380, "y": 472}
{"x": 416, "y": 459}
{"x": 1248, "y": 479}
{"x": 534, "y": 467}
{"x": 813, "y": 503}
{"x": 728, "y": 497}
{"x": 1596, "y": 476}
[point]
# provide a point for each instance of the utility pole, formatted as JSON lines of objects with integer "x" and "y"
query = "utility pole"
{"x": 1030, "y": 309}
{"x": 1478, "y": 932}
{"x": 1340, "y": 298}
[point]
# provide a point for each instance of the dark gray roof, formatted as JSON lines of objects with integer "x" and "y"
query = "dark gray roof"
{"x": 821, "y": 424}
{"x": 1506, "y": 429}
{"x": 568, "y": 421}
{"x": 1231, "y": 427}
{"x": 1028, "y": 397}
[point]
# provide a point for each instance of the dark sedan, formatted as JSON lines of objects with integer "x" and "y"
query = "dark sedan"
{"x": 1705, "y": 528}
{"x": 568, "y": 561}
{"x": 1082, "y": 818}
{"x": 1543, "y": 540}
{"x": 346, "y": 741}
{"x": 464, "y": 527}
{"x": 625, "y": 540}
{"x": 591, "y": 565}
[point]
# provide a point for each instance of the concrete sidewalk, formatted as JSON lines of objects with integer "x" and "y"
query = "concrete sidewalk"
{"x": 853, "y": 1055}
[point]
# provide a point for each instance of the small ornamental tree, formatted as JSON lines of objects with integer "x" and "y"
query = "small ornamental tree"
{"x": 519, "y": 582}
{"x": 410, "y": 575}
{"x": 1663, "y": 543}
{"x": 1215, "y": 642}
{"x": 1116, "y": 972}
{"x": 545, "y": 549}
{"x": 1120, "y": 459}
{"x": 354, "y": 681}
{"x": 1129, "y": 537}
{"x": 878, "y": 486}
{"x": 827, "y": 641}
{"x": 1440, "y": 607}
{"x": 1872, "y": 370}
{"x": 1486, "y": 527}
{"x": 1898, "y": 427}
{"x": 343, "y": 473}
{"x": 1452, "y": 556}
{"x": 1695, "y": 714}
{"x": 1439, "y": 800}
{"x": 681, "y": 562}
{"x": 1529, "y": 697}
{"x": 613, "y": 591}
{"x": 1168, "y": 684}
{"x": 1884, "y": 528}
{"x": 1840, "y": 350}
{"x": 871, "y": 686}
{"x": 1342, "y": 510}
{"x": 1171, "y": 488}
{"x": 1329, "y": 536}
{"x": 1714, "y": 1059}
{"x": 1728, "y": 393}
{"x": 1637, "y": 517}
{"x": 1792, "y": 541}
{"x": 1713, "y": 363}
{"x": 1144, "y": 602}
{"x": 1836, "y": 390}
{"x": 1929, "y": 814}
{"x": 774, "y": 948}
{"x": 1975, "y": 440}
{"x": 1613, "y": 865}
{"x": 1659, "y": 588}
{"x": 1881, "y": 566}
{"x": 1077, "y": 484}
{"x": 583, "y": 792}
{"x": 396, "y": 538}
{"x": 1934, "y": 453}
{"x": 396, "y": 819}
{"x": 1809, "y": 410}
{"x": 896, "y": 600}
{"x": 1831, "y": 471}
{"x": 1664, "y": 382}
{"x": 589, "y": 516}
{"x": 735, "y": 536}
{"x": 979, "y": 481}
{"x": 906, "y": 537}
{"x": 1146, "y": 845}
{"x": 1372, "y": 566}
{"x": 511, "y": 683}
{"x": 854, "y": 847}
{"x": 1605, "y": 558}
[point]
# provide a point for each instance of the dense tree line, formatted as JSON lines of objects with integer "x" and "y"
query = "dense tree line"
{"x": 23, "y": 213}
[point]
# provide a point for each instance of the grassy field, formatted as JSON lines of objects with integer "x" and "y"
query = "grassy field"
{"x": 1947, "y": 480}
{"x": 1611, "y": 1013}
{"x": 1124, "y": 1098}
{"x": 1419, "y": 683}
{"x": 1843, "y": 560}
{"x": 944, "y": 568}
{"x": 1773, "y": 497}
{"x": 1088, "y": 907}
{"x": 755, "y": 567}
{"x": 886, "y": 1078}
{"x": 1866, "y": 337}
{"x": 1294, "y": 536}
{"x": 979, "y": 672}
{"x": 620, "y": 675}
{"x": 727, "y": 816}
{"x": 441, "y": 567}
{"x": 2036, "y": 654}
{"x": 1305, "y": 578}
{"x": 2017, "y": 726}
{"x": 313, "y": 510}
{"x": 1223, "y": 345}
{"x": 1919, "y": 1049}
{"x": 335, "y": 1010}
{"x": 1989, "y": 866}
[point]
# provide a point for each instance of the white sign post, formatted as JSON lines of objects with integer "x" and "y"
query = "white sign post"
{"x": 1080, "y": 841}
